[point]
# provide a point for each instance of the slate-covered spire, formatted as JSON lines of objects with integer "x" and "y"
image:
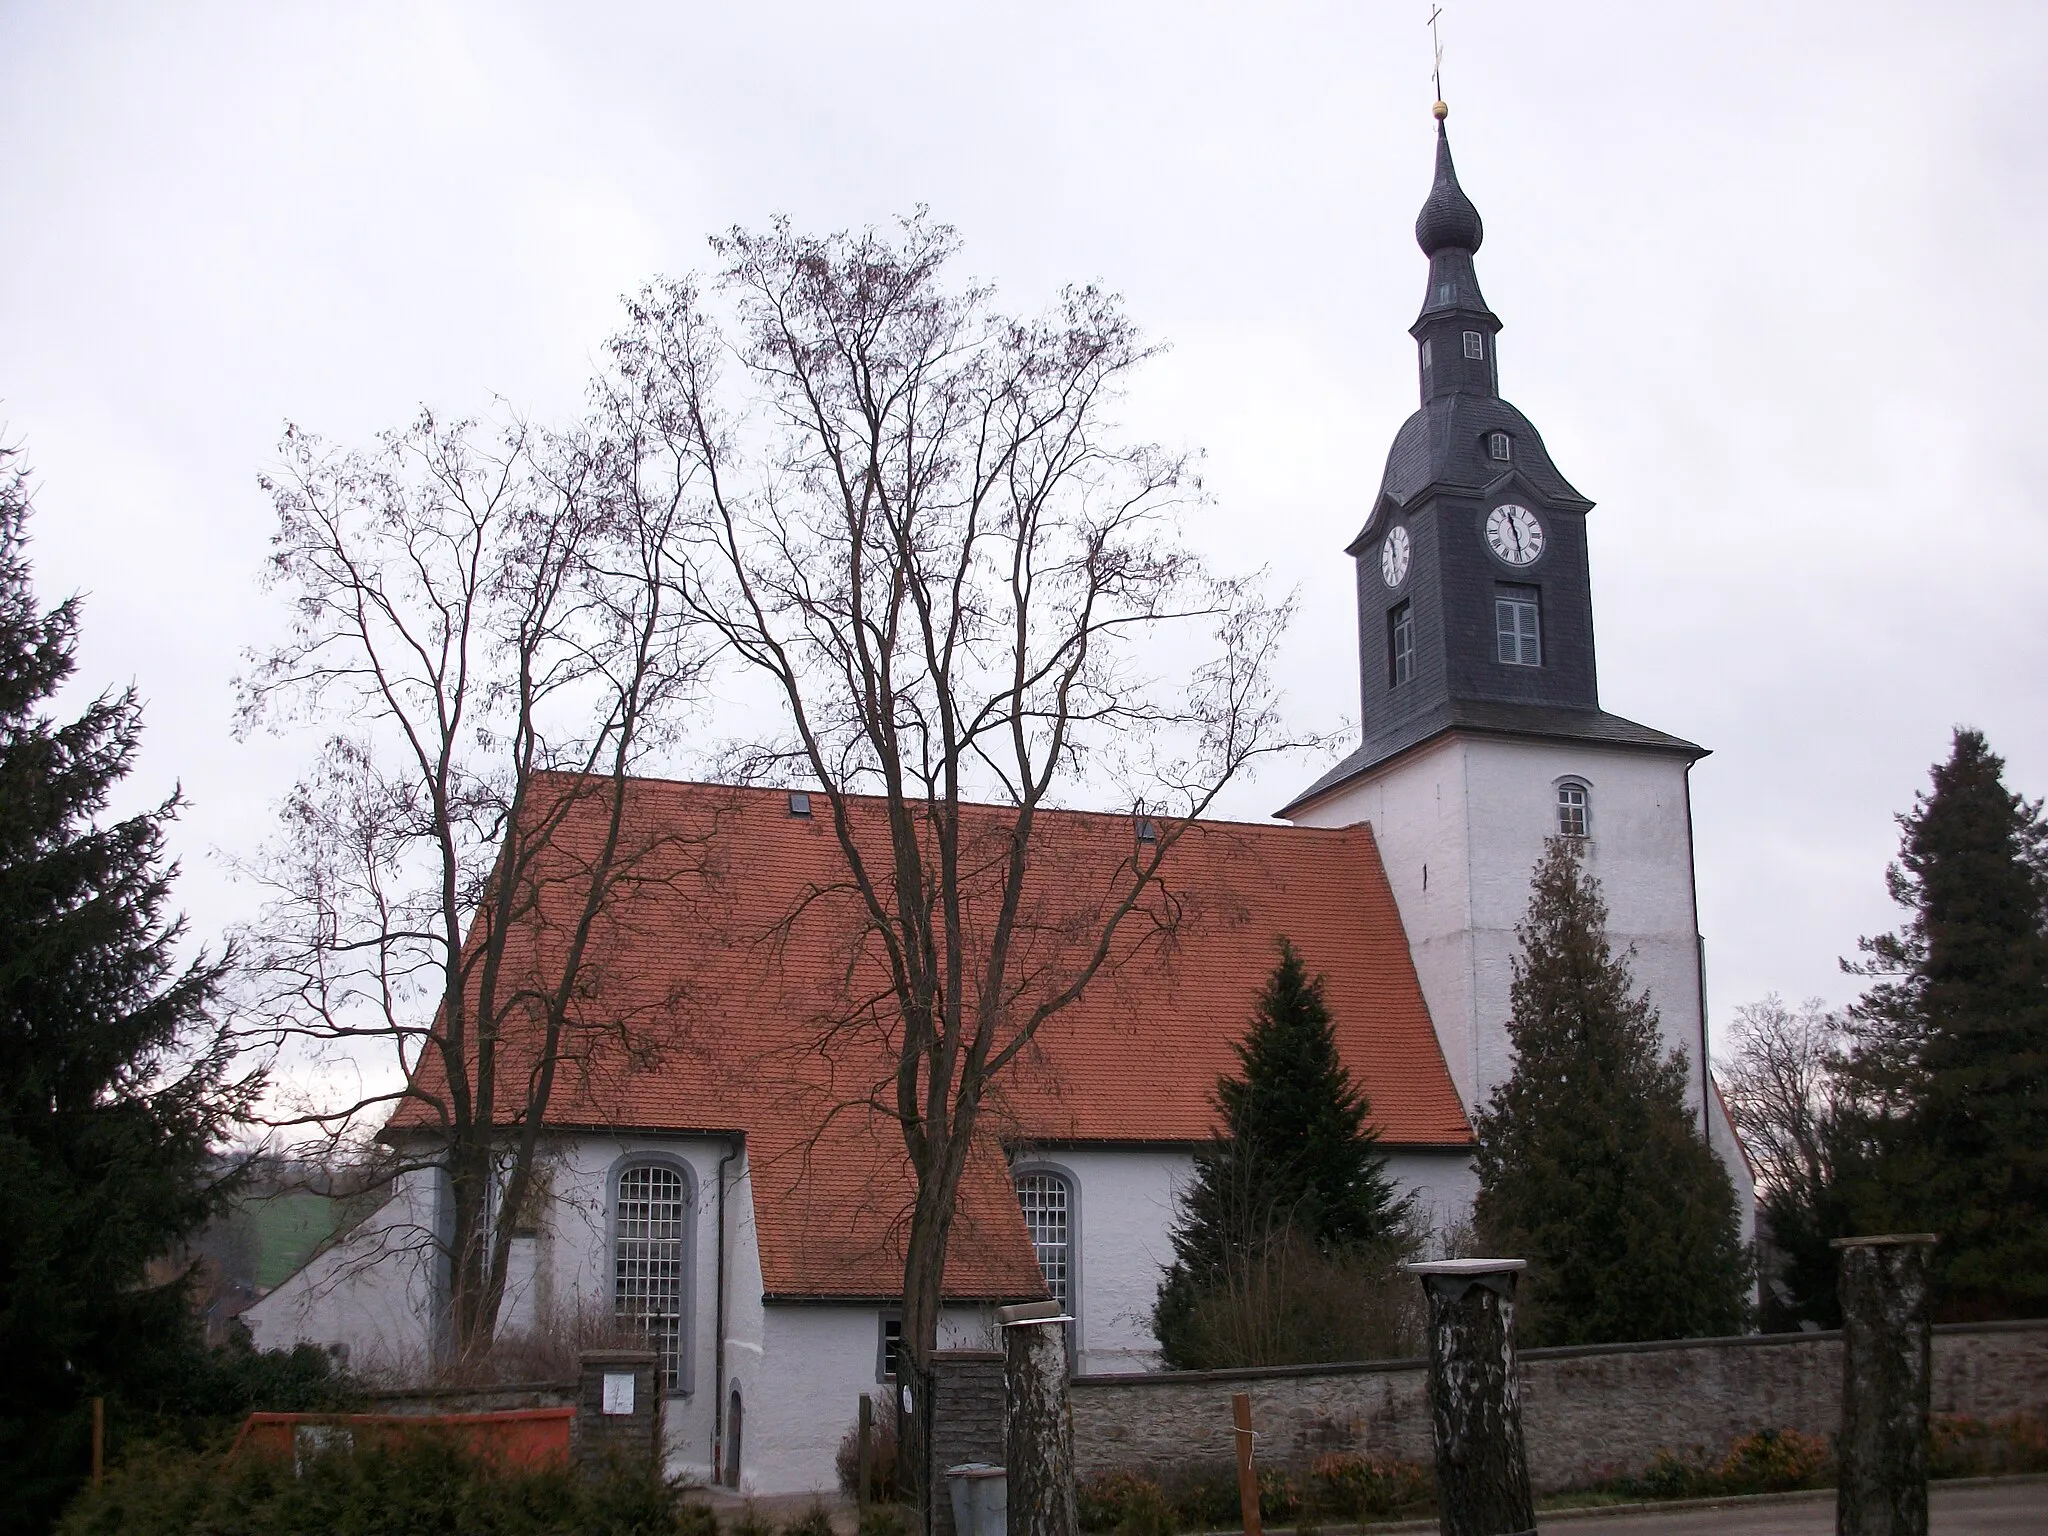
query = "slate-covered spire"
{"x": 1448, "y": 217}
{"x": 1454, "y": 311}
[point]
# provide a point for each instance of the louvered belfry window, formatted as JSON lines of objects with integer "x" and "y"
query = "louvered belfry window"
{"x": 648, "y": 1253}
{"x": 1047, "y": 1208}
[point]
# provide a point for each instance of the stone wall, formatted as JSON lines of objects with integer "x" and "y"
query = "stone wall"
{"x": 486, "y": 1399}
{"x": 1587, "y": 1412}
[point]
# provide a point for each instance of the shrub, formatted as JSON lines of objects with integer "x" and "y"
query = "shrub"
{"x": 1773, "y": 1461}
{"x": 882, "y": 1466}
{"x": 1670, "y": 1475}
{"x": 1126, "y": 1502}
{"x": 812, "y": 1522}
{"x": 1206, "y": 1499}
{"x": 1364, "y": 1487}
{"x": 1765, "y": 1461}
{"x": 883, "y": 1520}
{"x": 1279, "y": 1499}
{"x": 423, "y": 1486}
{"x": 1969, "y": 1447}
{"x": 750, "y": 1523}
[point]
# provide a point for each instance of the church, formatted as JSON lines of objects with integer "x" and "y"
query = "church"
{"x": 728, "y": 1192}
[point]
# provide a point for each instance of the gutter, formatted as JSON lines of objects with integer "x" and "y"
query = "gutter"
{"x": 737, "y": 1144}
{"x": 1699, "y": 960}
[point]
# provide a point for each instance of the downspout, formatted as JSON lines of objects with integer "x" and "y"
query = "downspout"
{"x": 1699, "y": 960}
{"x": 718, "y": 1327}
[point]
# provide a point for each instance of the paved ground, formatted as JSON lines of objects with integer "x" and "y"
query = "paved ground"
{"x": 2016, "y": 1508}
{"x": 2012, "y": 1509}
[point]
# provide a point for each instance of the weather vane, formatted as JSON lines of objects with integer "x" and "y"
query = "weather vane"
{"x": 1436, "y": 44}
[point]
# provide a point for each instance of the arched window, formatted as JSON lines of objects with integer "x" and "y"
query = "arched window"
{"x": 650, "y": 1260}
{"x": 1571, "y": 809}
{"x": 1048, "y": 1205}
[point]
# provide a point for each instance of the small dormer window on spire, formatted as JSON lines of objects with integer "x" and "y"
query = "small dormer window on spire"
{"x": 1475, "y": 345}
{"x": 1498, "y": 446}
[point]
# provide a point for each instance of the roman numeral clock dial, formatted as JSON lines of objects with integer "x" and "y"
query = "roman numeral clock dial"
{"x": 1514, "y": 534}
{"x": 1394, "y": 558}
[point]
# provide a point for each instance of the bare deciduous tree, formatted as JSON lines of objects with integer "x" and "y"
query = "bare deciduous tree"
{"x": 915, "y": 519}
{"x": 1781, "y": 1091}
{"x": 493, "y": 616}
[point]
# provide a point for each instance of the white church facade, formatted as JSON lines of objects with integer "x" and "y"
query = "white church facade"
{"x": 710, "y": 1183}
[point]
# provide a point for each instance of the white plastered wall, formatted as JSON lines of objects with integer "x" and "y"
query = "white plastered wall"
{"x": 1123, "y": 1213}
{"x": 1460, "y": 825}
{"x": 370, "y": 1296}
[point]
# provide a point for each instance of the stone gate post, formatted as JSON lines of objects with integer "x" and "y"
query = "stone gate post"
{"x": 618, "y": 1409}
{"x": 1881, "y": 1454}
{"x": 1038, "y": 1419}
{"x": 1475, "y": 1397}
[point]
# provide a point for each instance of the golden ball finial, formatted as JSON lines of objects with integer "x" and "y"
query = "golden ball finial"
{"x": 1439, "y": 111}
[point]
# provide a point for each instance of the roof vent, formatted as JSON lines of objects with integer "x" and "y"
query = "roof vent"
{"x": 1147, "y": 831}
{"x": 799, "y": 803}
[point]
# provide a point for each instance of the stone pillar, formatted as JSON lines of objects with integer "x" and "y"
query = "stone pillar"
{"x": 966, "y": 1420}
{"x": 618, "y": 1410}
{"x": 1038, "y": 1420}
{"x": 1881, "y": 1453}
{"x": 1475, "y": 1397}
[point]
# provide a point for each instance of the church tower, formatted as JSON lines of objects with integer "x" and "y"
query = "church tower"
{"x": 1483, "y": 732}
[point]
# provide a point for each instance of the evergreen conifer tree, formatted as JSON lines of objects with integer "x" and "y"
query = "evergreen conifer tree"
{"x": 1951, "y": 1058}
{"x": 1296, "y": 1162}
{"x": 1591, "y": 1165}
{"x": 112, "y": 1088}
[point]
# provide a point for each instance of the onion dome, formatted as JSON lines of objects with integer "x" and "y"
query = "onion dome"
{"x": 1448, "y": 220}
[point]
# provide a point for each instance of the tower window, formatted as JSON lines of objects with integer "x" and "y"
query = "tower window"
{"x": 1498, "y": 447}
{"x": 1401, "y": 644}
{"x": 1426, "y": 349}
{"x": 1475, "y": 344}
{"x": 1571, "y": 810}
{"x": 1518, "y": 626}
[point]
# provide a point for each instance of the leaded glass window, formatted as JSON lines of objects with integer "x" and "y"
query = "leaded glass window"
{"x": 649, "y": 1250}
{"x": 1048, "y": 1216}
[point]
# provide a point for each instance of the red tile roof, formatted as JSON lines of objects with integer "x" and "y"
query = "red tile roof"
{"x": 736, "y": 989}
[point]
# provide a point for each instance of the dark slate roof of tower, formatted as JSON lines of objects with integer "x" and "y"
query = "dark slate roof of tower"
{"x": 1444, "y": 445}
{"x": 1541, "y": 722}
{"x": 1448, "y": 220}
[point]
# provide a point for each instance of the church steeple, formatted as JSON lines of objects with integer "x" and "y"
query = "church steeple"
{"x": 1455, "y": 332}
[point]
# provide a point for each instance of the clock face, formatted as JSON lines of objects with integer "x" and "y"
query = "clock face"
{"x": 1514, "y": 534}
{"x": 1394, "y": 558}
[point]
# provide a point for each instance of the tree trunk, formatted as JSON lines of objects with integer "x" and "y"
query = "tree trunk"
{"x": 1881, "y": 1486}
{"x": 924, "y": 1270}
{"x": 1475, "y": 1400}
{"x": 1038, "y": 1420}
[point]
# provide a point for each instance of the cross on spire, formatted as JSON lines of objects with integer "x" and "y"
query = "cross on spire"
{"x": 1436, "y": 45}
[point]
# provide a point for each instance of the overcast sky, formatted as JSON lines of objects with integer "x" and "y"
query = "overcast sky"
{"x": 1771, "y": 276}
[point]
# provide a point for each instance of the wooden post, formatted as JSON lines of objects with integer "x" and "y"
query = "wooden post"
{"x": 1038, "y": 1420}
{"x": 864, "y": 1463}
{"x": 1881, "y": 1481}
{"x": 1247, "y": 1470}
{"x": 1475, "y": 1398}
{"x": 99, "y": 1439}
